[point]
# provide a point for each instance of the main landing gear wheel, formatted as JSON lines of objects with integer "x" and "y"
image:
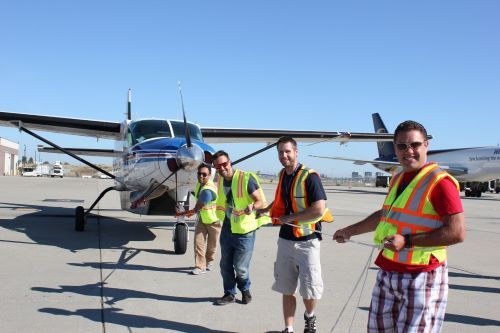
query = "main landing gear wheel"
{"x": 180, "y": 238}
{"x": 79, "y": 218}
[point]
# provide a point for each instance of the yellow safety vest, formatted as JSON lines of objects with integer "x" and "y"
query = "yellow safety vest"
{"x": 241, "y": 223}
{"x": 298, "y": 198}
{"x": 207, "y": 212}
{"x": 411, "y": 213}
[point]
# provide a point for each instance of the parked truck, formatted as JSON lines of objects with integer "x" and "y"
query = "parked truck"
{"x": 57, "y": 170}
{"x": 43, "y": 170}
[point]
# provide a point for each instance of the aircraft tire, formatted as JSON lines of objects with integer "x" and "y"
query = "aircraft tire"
{"x": 180, "y": 238}
{"x": 467, "y": 193}
{"x": 79, "y": 218}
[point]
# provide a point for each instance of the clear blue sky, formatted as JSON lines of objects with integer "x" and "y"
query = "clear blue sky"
{"x": 316, "y": 65}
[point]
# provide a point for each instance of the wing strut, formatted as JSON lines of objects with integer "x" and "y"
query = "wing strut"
{"x": 21, "y": 128}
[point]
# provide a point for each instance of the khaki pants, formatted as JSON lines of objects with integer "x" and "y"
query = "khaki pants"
{"x": 206, "y": 237}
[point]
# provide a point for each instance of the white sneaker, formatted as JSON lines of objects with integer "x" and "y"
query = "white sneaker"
{"x": 210, "y": 265}
{"x": 198, "y": 271}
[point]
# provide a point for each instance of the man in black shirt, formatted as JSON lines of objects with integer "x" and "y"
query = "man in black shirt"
{"x": 299, "y": 206}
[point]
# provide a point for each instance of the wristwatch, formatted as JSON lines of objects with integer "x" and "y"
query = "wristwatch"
{"x": 408, "y": 243}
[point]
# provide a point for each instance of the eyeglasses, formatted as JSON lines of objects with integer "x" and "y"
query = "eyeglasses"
{"x": 203, "y": 174}
{"x": 221, "y": 165}
{"x": 406, "y": 146}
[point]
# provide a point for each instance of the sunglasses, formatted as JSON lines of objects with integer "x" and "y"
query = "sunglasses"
{"x": 406, "y": 146}
{"x": 221, "y": 165}
{"x": 203, "y": 174}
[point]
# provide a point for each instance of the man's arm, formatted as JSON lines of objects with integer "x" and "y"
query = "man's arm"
{"x": 314, "y": 211}
{"x": 452, "y": 232}
{"x": 368, "y": 224}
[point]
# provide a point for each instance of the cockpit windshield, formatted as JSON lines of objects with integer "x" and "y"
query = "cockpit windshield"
{"x": 156, "y": 128}
{"x": 148, "y": 129}
{"x": 180, "y": 132}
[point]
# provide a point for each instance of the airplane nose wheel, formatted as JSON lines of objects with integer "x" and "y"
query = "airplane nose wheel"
{"x": 79, "y": 218}
{"x": 180, "y": 237}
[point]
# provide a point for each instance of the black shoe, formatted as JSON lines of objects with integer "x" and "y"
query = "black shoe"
{"x": 226, "y": 299}
{"x": 310, "y": 326}
{"x": 246, "y": 297}
{"x": 286, "y": 331}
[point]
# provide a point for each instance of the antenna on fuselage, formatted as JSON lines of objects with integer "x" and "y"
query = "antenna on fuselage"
{"x": 129, "y": 105}
{"x": 186, "y": 128}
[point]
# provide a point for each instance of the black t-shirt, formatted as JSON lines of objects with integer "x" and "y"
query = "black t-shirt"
{"x": 315, "y": 192}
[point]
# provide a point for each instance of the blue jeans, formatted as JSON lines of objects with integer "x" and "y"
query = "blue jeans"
{"x": 236, "y": 253}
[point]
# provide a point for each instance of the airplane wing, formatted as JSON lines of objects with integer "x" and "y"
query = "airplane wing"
{"x": 239, "y": 135}
{"x": 453, "y": 170}
{"x": 84, "y": 127}
{"x": 111, "y": 130}
{"x": 359, "y": 162}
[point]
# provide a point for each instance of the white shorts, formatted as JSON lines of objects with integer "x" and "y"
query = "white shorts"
{"x": 298, "y": 261}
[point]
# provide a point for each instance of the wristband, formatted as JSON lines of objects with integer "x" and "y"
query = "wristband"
{"x": 408, "y": 243}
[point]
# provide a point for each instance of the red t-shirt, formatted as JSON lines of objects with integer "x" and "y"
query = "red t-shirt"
{"x": 446, "y": 201}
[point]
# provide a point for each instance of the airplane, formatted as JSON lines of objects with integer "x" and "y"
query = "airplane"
{"x": 156, "y": 160}
{"x": 473, "y": 167}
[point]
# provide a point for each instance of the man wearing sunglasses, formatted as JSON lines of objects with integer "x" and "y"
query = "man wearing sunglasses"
{"x": 239, "y": 195}
{"x": 207, "y": 230}
{"x": 422, "y": 214}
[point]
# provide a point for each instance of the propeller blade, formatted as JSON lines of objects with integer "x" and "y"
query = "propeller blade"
{"x": 129, "y": 105}
{"x": 136, "y": 202}
{"x": 188, "y": 137}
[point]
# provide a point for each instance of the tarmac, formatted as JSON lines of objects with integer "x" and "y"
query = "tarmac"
{"x": 121, "y": 273}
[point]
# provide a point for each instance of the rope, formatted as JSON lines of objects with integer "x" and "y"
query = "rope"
{"x": 380, "y": 247}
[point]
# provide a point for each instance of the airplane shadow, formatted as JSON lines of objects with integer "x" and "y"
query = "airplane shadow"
{"x": 54, "y": 226}
{"x": 114, "y": 295}
{"x": 115, "y": 316}
{"x": 473, "y": 276}
{"x": 475, "y": 288}
{"x": 461, "y": 319}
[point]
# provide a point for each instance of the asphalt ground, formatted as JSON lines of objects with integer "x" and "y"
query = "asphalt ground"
{"x": 121, "y": 273}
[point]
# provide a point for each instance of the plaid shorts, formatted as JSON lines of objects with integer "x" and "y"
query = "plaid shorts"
{"x": 409, "y": 302}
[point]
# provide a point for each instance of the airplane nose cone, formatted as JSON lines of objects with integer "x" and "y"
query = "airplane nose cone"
{"x": 189, "y": 158}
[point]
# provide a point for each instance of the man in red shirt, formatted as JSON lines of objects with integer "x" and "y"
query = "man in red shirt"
{"x": 421, "y": 215}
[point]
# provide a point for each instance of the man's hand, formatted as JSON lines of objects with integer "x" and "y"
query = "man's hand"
{"x": 249, "y": 209}
{"x": 394, "y": 242}
{"x": 342, "y": 235}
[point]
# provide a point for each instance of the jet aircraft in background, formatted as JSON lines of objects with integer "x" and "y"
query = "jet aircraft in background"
{"x": 474, "y": 167}
{"x": 155, "y": 160}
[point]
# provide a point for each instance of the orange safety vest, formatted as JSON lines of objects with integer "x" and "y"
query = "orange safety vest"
{"x": 298, "y": 198}
{"x": 411, "y": 213}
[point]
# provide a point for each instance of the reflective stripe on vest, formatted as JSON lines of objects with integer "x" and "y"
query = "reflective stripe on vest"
{"x": 298, "y": 198}
{"x": 241, "y": 223}
{"x": 207, "y": 212}
{"x": 410, "y": 213}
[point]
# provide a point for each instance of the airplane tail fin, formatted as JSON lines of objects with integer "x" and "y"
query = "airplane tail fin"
{"x": 385, "y": 149}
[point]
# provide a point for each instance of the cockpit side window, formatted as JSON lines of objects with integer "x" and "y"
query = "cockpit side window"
{"x": 180, "y": 132}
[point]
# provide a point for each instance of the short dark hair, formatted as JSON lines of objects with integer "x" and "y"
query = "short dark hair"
{"x": 219, "y": 154}
{"x": 286, "y": 139}
{"x": 410, "y": 125}
{"x": 203, "y": 165}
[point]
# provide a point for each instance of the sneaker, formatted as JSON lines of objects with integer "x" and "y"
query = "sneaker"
{"x": 310, "y": 326}
{"x": 286, "y": 331}
{"x": 226, "y": 299}
{"x": 198, "y": 271}
{"x": 210, "y": 265}
{"x": 246, "y": 297}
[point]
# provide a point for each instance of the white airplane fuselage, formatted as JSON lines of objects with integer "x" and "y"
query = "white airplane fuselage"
{"x": 146, "y": 163}
{"x": 481, "y": 164}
